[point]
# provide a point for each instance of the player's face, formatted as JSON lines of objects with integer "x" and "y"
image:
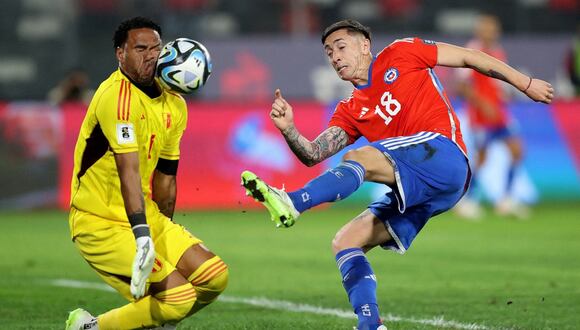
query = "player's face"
{"x": 138, "y": 56}
{"x": 346, "y": 53}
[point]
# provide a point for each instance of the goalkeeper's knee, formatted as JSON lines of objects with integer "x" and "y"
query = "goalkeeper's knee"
{"x": 174, "y": 304}
{"x": 209, "y": 281}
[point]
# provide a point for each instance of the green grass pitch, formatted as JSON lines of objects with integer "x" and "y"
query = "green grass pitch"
{"x": 494, "y": 274}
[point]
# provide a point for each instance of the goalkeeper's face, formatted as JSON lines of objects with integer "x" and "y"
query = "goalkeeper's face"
{"x": 138, "y": 56}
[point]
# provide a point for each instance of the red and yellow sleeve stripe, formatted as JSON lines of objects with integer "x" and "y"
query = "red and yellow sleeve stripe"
{"x": 124, "y": 101}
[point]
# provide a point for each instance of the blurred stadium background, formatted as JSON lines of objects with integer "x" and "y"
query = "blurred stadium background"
{"x": 257, "y": 46}
{"x": 57, "y": 47}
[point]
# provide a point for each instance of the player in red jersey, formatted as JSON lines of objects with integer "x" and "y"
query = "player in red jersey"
{"x": 416, "y": 148}
{"x": 489, "y": 119}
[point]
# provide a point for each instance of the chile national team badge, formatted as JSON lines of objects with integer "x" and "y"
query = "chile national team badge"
{"x": 391, "y": 75}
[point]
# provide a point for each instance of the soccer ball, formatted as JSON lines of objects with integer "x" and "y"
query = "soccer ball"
{"x": 183, "y": 65}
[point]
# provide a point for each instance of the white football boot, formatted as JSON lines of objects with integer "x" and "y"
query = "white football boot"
{"x": 80, "y": 319}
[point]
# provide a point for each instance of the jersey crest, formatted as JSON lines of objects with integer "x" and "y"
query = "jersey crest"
{"x": 391, "y": 75}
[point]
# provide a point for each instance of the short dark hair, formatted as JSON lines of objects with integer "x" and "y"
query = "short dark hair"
{"x": 350, "y": 25}
{"x": 120, "y": 36}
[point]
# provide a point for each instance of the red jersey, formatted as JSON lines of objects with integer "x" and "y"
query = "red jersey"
{"x": 403, "y": 97}
{"x": 488, "y": 89}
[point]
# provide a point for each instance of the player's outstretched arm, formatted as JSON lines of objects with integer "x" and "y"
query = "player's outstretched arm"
{"x": 459, "y": 57}
{"x": 328, "y": 143}
{"x": 128, "y": 169}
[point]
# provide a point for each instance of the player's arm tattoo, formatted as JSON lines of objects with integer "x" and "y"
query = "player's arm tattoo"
{"x": 328, "y": 143}
{"x": 139, "y": 210}
{"x": 497, "y": 75}
{"x": 490, "y": 73}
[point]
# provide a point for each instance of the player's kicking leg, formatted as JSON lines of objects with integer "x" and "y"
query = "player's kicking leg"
{"x": 277, "y": 201}
{"x": 332, "y": 185}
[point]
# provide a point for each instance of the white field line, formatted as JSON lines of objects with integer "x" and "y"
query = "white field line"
{"x": 296, "y": 308}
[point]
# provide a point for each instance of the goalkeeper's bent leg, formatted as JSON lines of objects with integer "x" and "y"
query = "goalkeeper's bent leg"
{"x": 170, "y": 306}
{"x": 209, "y": 280}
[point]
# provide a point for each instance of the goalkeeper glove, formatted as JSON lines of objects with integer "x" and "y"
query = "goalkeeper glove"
{"x": 142, "y": 265}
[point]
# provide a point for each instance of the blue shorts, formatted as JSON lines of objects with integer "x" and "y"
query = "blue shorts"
{"x": 431, "y": 174}
{"x": 483, "y": 137}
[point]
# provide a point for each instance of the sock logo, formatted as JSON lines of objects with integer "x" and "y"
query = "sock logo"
{"x": 338, "y": 174}
{"x": 305, "y": 197}
{"x": 365, "y": 310}
{"x": 338, "y": 197}
{"x": 371, "y": 277}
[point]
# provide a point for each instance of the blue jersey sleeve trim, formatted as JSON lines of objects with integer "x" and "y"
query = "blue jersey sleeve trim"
{"x": 369, "y": 76}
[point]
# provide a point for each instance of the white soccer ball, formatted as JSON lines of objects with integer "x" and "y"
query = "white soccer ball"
{"x": 183, "y": 65}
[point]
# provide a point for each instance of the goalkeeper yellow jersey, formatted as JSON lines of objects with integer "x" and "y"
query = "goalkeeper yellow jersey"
{"x": 121, "y": 119}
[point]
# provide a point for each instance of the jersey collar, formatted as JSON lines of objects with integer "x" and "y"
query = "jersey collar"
{"x": 153, "y": 91}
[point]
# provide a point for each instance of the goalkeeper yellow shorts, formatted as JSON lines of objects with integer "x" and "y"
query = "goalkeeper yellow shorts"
{"x": 109, "y": 246}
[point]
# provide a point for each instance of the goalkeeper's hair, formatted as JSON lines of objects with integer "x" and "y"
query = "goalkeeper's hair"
{"x": 120, "y": 36}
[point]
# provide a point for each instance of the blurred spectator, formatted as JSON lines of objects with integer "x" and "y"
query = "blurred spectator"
{"x": 100, "y": 6}
{"x": 573, "y": 62}
{"x": 73, "y": 88}
{"x": 565, "y": 5}
{"x": 490, "y": 121}
{"x": 187, "y": 5}
{"x": 300, "y": 18}
{"x": 399, "y": 8}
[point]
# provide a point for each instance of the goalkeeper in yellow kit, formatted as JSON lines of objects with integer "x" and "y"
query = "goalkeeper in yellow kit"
{"x": 123, "y": 195}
